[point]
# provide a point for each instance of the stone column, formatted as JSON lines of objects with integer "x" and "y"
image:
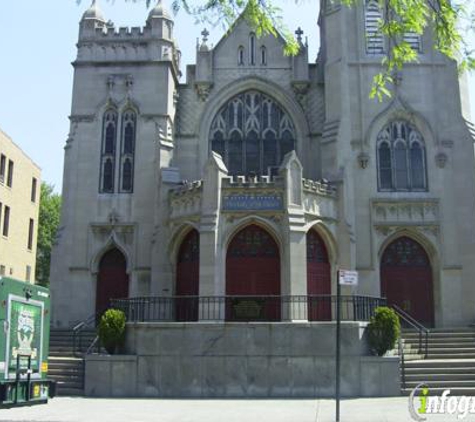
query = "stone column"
{"x": 214, "y": 171}
{"x": 294, "y": 252}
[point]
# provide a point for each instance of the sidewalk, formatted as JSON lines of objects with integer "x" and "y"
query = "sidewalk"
{"x": 68, "y": 409}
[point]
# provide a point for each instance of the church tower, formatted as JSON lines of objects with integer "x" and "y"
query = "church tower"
{"x": 407, "y": 158}
{"x": 121, "y": 137}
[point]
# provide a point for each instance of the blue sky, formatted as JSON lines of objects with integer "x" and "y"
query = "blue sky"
{"x": 38, "y": 43}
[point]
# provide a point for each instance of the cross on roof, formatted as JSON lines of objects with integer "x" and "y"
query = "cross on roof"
{"x": 299, "y": 33}
{"x": 205, "y": 34}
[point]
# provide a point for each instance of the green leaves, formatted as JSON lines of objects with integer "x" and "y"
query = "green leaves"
{"x": 48, "y": 222}
{"x": 449, "y": 24}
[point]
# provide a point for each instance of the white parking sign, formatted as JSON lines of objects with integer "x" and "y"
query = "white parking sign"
{"x": 348, "y": 278}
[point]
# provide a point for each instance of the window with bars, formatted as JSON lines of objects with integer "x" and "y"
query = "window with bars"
{"x": 401, "y": 158}
{"x": 252, "y": 133}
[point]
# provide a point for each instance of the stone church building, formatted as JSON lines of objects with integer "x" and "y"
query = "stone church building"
{"x": 261, "y": 174}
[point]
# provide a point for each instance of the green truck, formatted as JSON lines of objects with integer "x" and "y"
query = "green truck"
{"x": 24, "y": 343}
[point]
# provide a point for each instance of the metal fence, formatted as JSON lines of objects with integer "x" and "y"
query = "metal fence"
{"x": 247, "y": 308}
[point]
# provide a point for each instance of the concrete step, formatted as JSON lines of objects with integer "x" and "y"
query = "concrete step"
{"x": 433, "y": 391}
{"x": 442, "y": 384}
{"x": 441, "y": 341}
{"x": 63, "y": 390}
{"x": 469, "y": 371}
{"x": 441, "y": 335}
{"x": 438, "y": 356}
{"x": 442, "y": 363}
{"x": 447, "y": 377}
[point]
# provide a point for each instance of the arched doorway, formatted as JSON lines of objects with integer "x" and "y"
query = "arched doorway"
{"x": 253, "y": 269}
{"x": 112, "y": 279}
{"x": 187, "y": 277}
{"x": 406, "y": 279}
{"x": 318, "y": 278}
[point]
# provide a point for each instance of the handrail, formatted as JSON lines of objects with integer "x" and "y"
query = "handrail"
{"x": 423, "y": 331}
{"x": 403, "y": 369}
{"x": 91, "y": 346}
{"x": 79, "y": 328}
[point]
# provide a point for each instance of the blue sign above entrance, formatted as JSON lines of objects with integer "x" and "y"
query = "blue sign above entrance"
{"x": 252, "y": 202}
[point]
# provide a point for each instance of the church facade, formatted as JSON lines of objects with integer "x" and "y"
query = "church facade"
{"x": 261, "y": 174}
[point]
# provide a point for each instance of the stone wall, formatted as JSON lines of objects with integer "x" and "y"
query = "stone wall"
{"x": 240, "y": 360}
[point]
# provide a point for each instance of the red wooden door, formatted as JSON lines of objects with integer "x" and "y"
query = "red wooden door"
{"x": 253, "y": 269}
{"x": 112, "y": 280}
{"x": 187, "y": 277}
{"x": 406, "y": 279}
{"x": 318, "y": 279}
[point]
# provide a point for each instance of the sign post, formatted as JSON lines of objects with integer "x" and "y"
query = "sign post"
{"x": 346, "y": 278}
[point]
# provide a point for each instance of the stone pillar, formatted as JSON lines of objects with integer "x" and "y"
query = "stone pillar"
{"x": 210, "y": 284}
{"x": 294, "y": 252}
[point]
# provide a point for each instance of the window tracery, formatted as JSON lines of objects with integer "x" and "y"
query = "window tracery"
{"x": 252, "y": 133}
{"x": 127, "y": 151}
{"x": 109, "y": 136}
{"x": 401, "y": 158}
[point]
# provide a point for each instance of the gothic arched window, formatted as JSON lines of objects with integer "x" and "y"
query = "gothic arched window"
{"x": 241, "y": 55}
{"x": 127, "y": 151}
{"x": 401, "y": 158}
{"x": 252, "y": 49}
{"x": 252, "y": 133}
{"x": 373, "y": 18}
{"x": 108, "y": 148}
{"x": 375, "y": 40}
{"x": 263, "y": 56}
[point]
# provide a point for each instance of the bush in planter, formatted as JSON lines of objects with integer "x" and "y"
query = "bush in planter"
{"x": 383, "y": 330}
{"x": 111, "y": 329}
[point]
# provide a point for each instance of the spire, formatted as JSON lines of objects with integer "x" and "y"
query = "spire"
{"x": 159, "y": 12}
{"x": 93, "y": 13}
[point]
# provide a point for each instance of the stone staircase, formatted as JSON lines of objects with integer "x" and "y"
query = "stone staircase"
{"x": 450, "y": 362}
{"x": 63, "y": 367}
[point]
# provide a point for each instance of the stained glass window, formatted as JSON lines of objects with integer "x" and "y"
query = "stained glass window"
{"x": 127, "y": 151}
{"x": 401, "y": 158}
{"x": 252, "y": 133}
{"x": 190, "y": 248}
{"x": 405, "y": 252}
{"x": 253, "y": 242}
{"x": 316, "y": 250}
{"x": 108, "y": 149}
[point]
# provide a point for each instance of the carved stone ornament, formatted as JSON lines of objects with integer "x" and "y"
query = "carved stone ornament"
{"x": 441, "y": 159}
{"x": 203, "y": 89}
{"x": 363, "y": 160}
{"x": 300, "y": 89}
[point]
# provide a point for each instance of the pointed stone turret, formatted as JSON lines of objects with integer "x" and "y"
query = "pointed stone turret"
{"x": 92, "y": 19}
{"x": 160, "y": 21}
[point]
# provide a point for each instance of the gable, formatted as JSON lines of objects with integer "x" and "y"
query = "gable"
{"x": 226, "y": 52}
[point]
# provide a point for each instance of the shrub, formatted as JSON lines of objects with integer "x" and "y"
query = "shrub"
{"x": 111, "y": 329}
{"x": 383, "y": 330}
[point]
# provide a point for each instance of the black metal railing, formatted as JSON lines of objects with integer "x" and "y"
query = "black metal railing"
{"x": 421, "y": 329}
{"x": 247, "y": 308}
{"x": 81, "y": 341}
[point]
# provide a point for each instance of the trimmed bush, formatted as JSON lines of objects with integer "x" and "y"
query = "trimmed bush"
{"x": 383, "y": 330}
{"x": 111, "y": 329}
